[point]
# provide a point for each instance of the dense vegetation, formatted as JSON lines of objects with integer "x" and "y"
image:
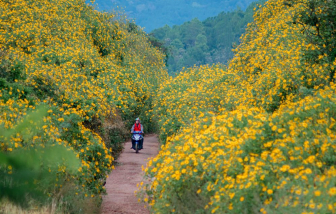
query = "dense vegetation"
{"x": 257, "y": 136}
{"x": 152, "y": 14}
{"x": 87, "y": 70}
{"x": 208, "y": 42}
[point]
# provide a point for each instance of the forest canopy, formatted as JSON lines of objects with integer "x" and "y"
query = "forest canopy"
{"x": 204, "y": 42}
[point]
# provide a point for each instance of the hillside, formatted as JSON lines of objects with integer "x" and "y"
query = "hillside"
{"x": 152, "y": 14}
{"x": 208, "y": 42}
{"x": 86, "y": 69}
{"x": 257, "y": 135}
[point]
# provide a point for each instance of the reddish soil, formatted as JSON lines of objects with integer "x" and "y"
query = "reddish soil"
{"x": 122, "y": 182}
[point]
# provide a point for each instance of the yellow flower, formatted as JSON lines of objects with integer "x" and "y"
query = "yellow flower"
{"x": 317, "y": 193}
{"x": 332, "y": 191}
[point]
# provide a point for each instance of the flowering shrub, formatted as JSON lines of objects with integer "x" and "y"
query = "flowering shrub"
{"x": 94, "y": 75}
{"x": 255, "y": 137}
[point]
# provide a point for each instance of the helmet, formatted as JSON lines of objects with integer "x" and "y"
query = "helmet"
{"x": 137, "y": 119}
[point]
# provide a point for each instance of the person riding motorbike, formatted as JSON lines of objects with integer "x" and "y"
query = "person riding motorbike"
{"x": 137, "y": 127}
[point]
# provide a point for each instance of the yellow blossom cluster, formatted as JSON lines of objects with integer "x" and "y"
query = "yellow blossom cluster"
{"x": 256, "y": 136}
{"x": 88, "y": 67}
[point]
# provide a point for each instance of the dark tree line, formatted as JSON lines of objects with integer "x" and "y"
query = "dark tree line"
{"x": 204, "y": 42}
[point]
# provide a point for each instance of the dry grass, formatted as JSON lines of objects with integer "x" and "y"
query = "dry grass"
{"x": 115, "y": 122}
{"x": 115, "y": 133}
{"x": 7, "y": 207}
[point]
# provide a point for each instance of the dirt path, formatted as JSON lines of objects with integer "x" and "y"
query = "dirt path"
{"x": 122, "y": 182}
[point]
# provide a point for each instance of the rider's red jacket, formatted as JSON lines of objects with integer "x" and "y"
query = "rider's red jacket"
{"x": 137, "y": 128}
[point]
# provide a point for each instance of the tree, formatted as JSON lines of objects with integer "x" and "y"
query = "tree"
{"x": 190, "y": 30}
{"x": 318, "y": 22}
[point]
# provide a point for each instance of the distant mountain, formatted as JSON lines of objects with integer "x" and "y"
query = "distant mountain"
{"x": 152, "y": 14}
{"x": 204, "y": 42}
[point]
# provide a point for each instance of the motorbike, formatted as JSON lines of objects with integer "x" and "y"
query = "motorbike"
{"x": 137, "y": 138}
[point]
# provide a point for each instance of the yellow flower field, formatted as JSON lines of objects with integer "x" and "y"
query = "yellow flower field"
{"x": 256, "y": 136}
{"x": 94, "y": 72}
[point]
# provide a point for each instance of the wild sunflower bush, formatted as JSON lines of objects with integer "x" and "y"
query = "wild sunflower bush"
{"x": 94, "y": 74}
{"x": 257, "y": 136}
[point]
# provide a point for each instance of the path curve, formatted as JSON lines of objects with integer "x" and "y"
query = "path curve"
{"x": 123, "y": 180}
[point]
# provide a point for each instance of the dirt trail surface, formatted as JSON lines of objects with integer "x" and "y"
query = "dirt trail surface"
{"x": 122, "y": 182}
